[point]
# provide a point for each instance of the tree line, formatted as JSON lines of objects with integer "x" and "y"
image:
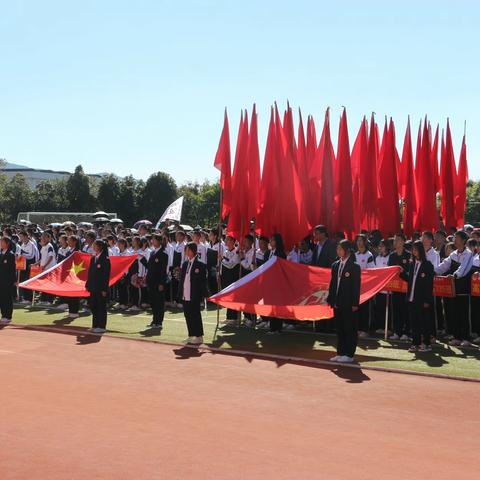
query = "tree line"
{"x": 134, "y": 199}
{"x": 130, "y": 198}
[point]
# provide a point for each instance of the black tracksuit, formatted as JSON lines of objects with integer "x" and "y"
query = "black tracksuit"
{"x": 156, "y": 283}
{"x": 98, "y": 282}
{"x": 399, "y": 304}
{"x": 7, "y": 281}
{"x": 198, "y": 291}
{"x": 422, "y": 294}
{"x": 342, "y": 296}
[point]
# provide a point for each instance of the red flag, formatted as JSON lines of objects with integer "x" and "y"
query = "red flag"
{"x": 222, "y": 163}
{"x": 67, "y": 278}
{"x": 448, "y": 180}
{"x": 408, "y": 184}
{"x": 238, "y": 220}
{"x": 388, "y": 211}
{"x": 368, "y": 181}
{"x": 269, "y": 187}
{"x": 427, "y": 217}
{"x": 434, "y": 161}
{"x": 270, "y": 290}
{"x": 326, "y": 161}
{"x": 461, "y": 185}
{"x": 302, "y": 165}
{"x": 313, "y": 170}
{"x": 344, "y": 220}
{"x": 253, "y": 167}
{"x": 358, "y": 158}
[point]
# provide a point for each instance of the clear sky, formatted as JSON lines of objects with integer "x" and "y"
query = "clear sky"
{"x": 133, "y": 87}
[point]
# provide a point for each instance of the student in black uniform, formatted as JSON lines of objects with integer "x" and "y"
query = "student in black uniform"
{"x": 7, "y": 280}
{"x": 278, "y": 250}
{"x": 401, "y": 257}
{"x": 191, "y": 292}
{"x": 324, "y": 253}
{"x": 344, "y": 298}
{"x": 157, "y": 280}
{"x": 419, "y": 276}
{"x": 98, "y": 286}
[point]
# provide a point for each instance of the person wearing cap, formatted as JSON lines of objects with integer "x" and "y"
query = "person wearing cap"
{"x": 459, "y": 265}
{"x": 344, "y": 299}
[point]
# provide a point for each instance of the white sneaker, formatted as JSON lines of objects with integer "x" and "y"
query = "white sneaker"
{"x": 465, "y": 343}
{"x": 394, "y": 337}
{"x": 122, "y": 307}
{"x": 263, "y": 326}
{"x": 179, "y": 305}
{"x": 25, "y": 302}
{"x": 98, "y": 330}
{"x": 335, "y": 358}
{"x": 133, "y": 308}
{"x": 188, "y": 340}
{"x": 380, "y": 331}
{"x": 5, "y": 321}
{"x": 230, "y": 323}
{"x": 144, "y": 305}
{"x": 362, "y": 334}
{"x": 454, "y": 343}
{"x": 345, "y": 359}
{"x": 73, "y": 315}
{"x": 405, "y": 338}
{"x": 62, "y": 306}
{"x": 289, "y": 326}
{"x": 196, "y": 340}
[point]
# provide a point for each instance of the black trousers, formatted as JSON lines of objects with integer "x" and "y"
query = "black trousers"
{"x": 73, "y": 304}
{"x": 420, "y": 322}
{"x": 475, "y": 305}
{"x": 450, "y": 315}
{"x": 400, "y": 314}
{"x": 98, "y": 306}
{"x": 193, "y": 317}
{"x": 157, "y": 302}
{"x": 122, "y": 289}
{"x": 346, "y": 324}
{"x": 364, "y": 316}
{"x": 440, "y": 315}
{"x": 24, "y": 275}
{"x": 276, "y": 324}
{"x": 461, "y": 324}
{"x": 380, "y": 311}
{"x": 6, "y": 302}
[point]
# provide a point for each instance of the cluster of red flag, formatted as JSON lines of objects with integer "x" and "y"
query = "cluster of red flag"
{"x": 368, "y": 187}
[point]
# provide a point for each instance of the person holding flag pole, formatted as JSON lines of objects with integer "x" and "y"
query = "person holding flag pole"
{"x": 7, "y": 280}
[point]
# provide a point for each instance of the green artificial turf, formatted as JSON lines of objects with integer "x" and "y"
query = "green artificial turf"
{"x": 461, "y": 362}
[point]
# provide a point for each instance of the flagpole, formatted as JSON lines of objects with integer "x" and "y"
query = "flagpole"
{"x": 219, "y": 281}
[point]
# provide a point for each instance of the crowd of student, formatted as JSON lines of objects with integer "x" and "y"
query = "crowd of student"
{"x": 157, "y": 279}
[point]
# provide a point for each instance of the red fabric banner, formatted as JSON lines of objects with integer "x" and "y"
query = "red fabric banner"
{"x": 284, "y": 289}
{"x": 67, "y": 279}
{"x": 442, "y": 286}
{"x": 475, "y": 285}
{"x": 20, "y": 263}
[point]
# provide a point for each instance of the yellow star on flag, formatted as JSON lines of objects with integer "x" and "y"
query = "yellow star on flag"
{"x": 77, "y": 268}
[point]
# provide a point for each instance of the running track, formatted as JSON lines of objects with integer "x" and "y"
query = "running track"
{"x": 105, "y": 408}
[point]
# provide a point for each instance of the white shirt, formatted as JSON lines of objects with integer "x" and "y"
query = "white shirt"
{"x": 465, "y": 259}
{"x": 476, "y": 260}
{"x": 341, "y": 267}
{"x": 415, "y": 274}
{"x": 47, "y": 256}
{"x": 113, "y": 251}
{"x": 88, "y": 249}
{"x": 186, "y": 283}
{"x": 365, "y": 259}
{"x": 433, "y": 257}
{"x": 230, "y": 259}
{"x": 202, "y": 253}
{"x": 247, "y": 262}
{"x": 29, "y": 250}
{"x": 381, "y": 261}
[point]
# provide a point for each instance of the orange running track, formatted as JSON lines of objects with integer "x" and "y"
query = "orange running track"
{"x": 106, "y": 408}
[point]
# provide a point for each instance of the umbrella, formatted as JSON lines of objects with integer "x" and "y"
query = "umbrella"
{"x": 101, "y": 220}
{"x": 100, "y": 214}
{"x": 186, "y": 228}
{"x": 55, "y": 225}
{"x": 85, "y": 225}
{"x": 24, "y": 222}
{"x": 68, "y": 223}
{"x": 116, "y": 220}
{"x": 142, "y": 222}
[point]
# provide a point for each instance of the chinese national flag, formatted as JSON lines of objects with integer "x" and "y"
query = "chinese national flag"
{"x": 67, "y": 278}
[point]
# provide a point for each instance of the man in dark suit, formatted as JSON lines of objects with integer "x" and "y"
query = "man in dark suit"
{"x": 7, "y": 280}
{"x": 156, "y": 280}
{"x": 324, "y": 252}
{"x": 344, "y": 298}
{"x": 191, "y": 292}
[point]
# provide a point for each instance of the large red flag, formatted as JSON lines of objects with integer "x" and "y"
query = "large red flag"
{"x": 388, "y": 211}
{"x": 253, "y": 167}
{"x": 326, "y": 161}
{"x": 67, "y": 278}
{"x": 409, "y": 193}
{"x": 448, "y": 180}
{"x": 302, "y": 165}
{"x": 344, "y": 211}
{"x": 427, "y": 217}
{"x": 238, "y": 221}
{"x": 222, "y": 163}
{"x": 271, "y": 291}
{"x": 313, "y": 173}
{"x": 266, "y": 219}
{"x": 434, "y": 161}
{"x": 358, "y": 158}
{"x": 461, "y": 186}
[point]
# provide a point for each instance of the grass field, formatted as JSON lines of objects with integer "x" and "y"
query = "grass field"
{"x": 305, "y": 344}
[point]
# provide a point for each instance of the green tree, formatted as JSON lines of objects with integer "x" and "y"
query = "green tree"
{"x": 472, "y": 212}
{"x": 201, "y": 203}
{"x": 17, "y": 196}
{"x": 50, "y": 195}
{"x": 130, "y": 192}
{"x": 160, "y": 190}
{"x": 108, "y": 197}
{"x": 78, "y": 188}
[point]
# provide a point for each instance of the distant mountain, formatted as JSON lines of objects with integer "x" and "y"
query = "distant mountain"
{"x": 10, "y": 166}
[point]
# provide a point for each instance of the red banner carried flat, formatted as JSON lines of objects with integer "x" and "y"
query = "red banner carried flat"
{"x": 442, "y": 286}
{"x": 293, "y": 291}
{"x": 476, "y": 285}
{"x": 67, "y": 279}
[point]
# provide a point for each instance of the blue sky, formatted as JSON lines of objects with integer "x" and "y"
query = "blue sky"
{"x": 136, "y": 87}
